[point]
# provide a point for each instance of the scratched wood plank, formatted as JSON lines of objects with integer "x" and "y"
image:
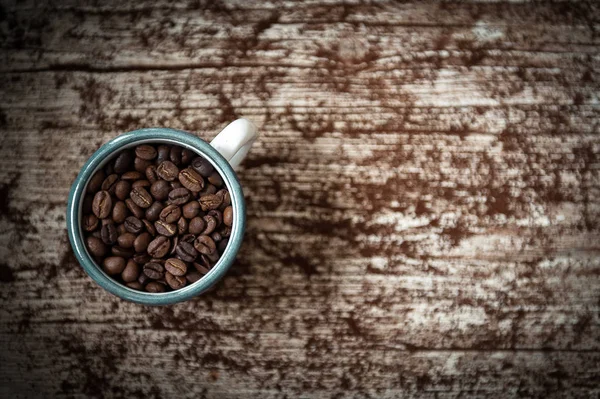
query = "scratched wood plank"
{"x": 423, "y": 202}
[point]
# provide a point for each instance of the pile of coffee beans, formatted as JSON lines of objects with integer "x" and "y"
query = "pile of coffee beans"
{"x": 157, "y": 218}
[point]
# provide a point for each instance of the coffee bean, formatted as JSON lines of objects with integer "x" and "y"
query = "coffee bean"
{"x": 224, "y": 231}
{"x": 126, "y": 240}
{"x": 132, "y": 175}
{"x": 165, "y": 229}
{"x": 122, "y": 189}
{"x": 191, "y": 209}
{"x": 222, "y": 245}
{"x": 191, "y": 179}
{"x": 131, "y": 272}
{"x": 159, "y": 247}
{"x": 141, "y": 183}
{"x": 133, "y": 225}
{"x": 146, "y": 152}
{"x": 193, "y": 276}
{"x": 155, "y": 287}
{"x": 187, "y": 156}
{"x": 211, "y": 224}
{"x": 215, "y": 178}
{"x": 95, "y": 182}
{"x": 96, "y": 246}
{"x": 202, "y": 166}
{"x": 175, "y": 266}
{"x": 123, "y": 252}
{"x": 109, "y": 169}
{"x": 179, "y": 196}
{"x": 160, "y": 190}
{"x": 121, "y": 228}
{"x": 141, "y": 258}
{"x": 109, "y": 234}
{"x": 141, "y": 197}
{"x": 154, "y": 270}
{"x": 175, "y": 155}
{"x": 119, "y": 212}
{"x": 140, "y": 164}
{"x": 205, "y": 245}
{"x": 186, "y": 251}
{"x": 189, "y": 238}
{"x": 214, "y": 257}
{"x": 133, "y": 208}
{"x": 151, "y": 174}
{"x": 210, "y": 201}
{"x": 225, "y": 195}
{"x": 167, "y": 171}
{"x": 86, "y": 207}
{"x": 170, "y": 214}
{"x": 135, "y": 285}
{"x": 113, "y": 265}
{"x": 217, "y": 215}
{"x": 208, "y": 189}
{"x": 201, "y": 268}
{"x": 141, "y": 242}
{"x": 90, "y": 222}
{"x": 182, "y": 226}
{"x": 228, "y": 216}
{"x": 196, "y": 225}
{"x": 149, "y": 227}
{"x": 143, "y": 279}
{"x": 163, "y": 154}
{"x": 216, "y": 236}
{"x": 154, "y": 212}
{"x": 175, "y": 244}
{"x": 175, "y": 184}
{"x": 102, "y": 205}
{"x": 175, "y": 282}
{"x": 123, "y": 162}
{"x": 110, "y": 183}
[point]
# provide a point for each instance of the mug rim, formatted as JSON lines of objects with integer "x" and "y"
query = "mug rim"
{"x": 158, "y": 135}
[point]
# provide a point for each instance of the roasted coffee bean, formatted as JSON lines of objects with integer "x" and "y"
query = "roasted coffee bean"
{"x": 121, "y": 229}
{"x": 151, "y": 174}
{"x": 163, "y": 153}
{"x": 159, "y": 247}
{"x": 133, "y": 208}
{"x": 109, "y": 234}
{"x": 217, "y": 215}
{"x": 113, "y": 265}
{"x": 135, "y": 285}
{"x": 132, "y": 175}
{"x": 186, "y": 251}
{"x": 175, "y": 155}
{"x": 119, "y": 212}
{"x": 228, "y": 216}
{"x": 141, "y": 258}
{"x": 167, "y": 171}
{"x": 126, "y": 240}
{"x": 191, "y": 179}
{"x": 179, "y": 196}
{"x": 97, "y": 234}
{"x": 86, "y": 207}
{"x": 196, "y": 225}
{"x": 146, "y": 152}
{"x": 182, "y": 226}
{"x": 133, "y": 225}
{"x": 141, "y": 183}
{"x": 155, "y": 287}
{"x": 211, "y": 224}
{"x": 202, "y": 267}
{"x": 123, "y": 162}
{"x": 102, "y": 205}
{"x": 96, "y": 246}
{"x": 110, "y": 183}
{"x": 202, "y": 166}
{"x": 224, "y": 231}
{"x": 210, "y": 201}
{"x": 95, "y": 183}
{"x": 187, "y": 156}
{"x": 191, "y": 209}
{"x": 222, "y": 245}
{"x": 149, "y": 227}
{"x": 131, "y": 272}
{"x": 215, "y": 178}
{"x": 154, "y": 270}
{"x": 141, "y": 242}
{"x": 175, "y": 282}
{"x": 154, "y": 212}
{"x": 160, "y": 190}
{"x": 170, "y": 214}
{"x": 109, "y": 169}
{"x": 165, "y": 229}
{"x": 141, "y": 197}
{"x": 208, "y": 189}
{"x": 193, "y": 276}
{"x": 225, "y": 195}
{"x": 141, "y": 164}
{"x": 143, "y": 279}
{"x": 175, "y": 266}
{"x": 205, "y": 245}
{"x": 175, "y": 244}
{"x": 175, "y": 184}
{"x": 122, "y": 189}
{"x": 90, "y": 222}
{"x": 216, "y": 236}
{"x": 123, "y": 252}
{"x": 214, "y": 257}
{"x": 190, "y": 238}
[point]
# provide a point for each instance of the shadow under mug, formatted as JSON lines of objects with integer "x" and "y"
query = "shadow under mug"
{"x": 225, "y": 152}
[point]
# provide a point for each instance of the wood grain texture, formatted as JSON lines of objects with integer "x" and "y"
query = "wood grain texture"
{"x": 423, "y": 204}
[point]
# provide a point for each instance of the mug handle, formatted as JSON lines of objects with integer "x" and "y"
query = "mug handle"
{"x": 235, "y": 141}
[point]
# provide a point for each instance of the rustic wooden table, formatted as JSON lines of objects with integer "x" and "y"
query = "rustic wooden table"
{"x": 423, "y": 203}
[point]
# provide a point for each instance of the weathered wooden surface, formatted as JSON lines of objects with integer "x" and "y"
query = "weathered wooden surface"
{"x": 423, "y": 204}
